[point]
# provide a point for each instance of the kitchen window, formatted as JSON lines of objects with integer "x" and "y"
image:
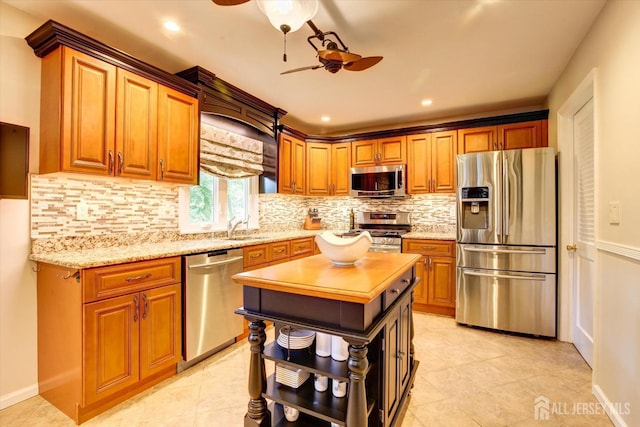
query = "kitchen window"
{"x": 209, "y": 206}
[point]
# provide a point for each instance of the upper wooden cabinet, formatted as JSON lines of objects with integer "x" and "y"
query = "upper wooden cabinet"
{"x": 97, "y": 118}
{"x": 291, "y": 165}
{"x": 178, "y": 139}
{"x": 136, "y": 126}
{"x": 327, "y": 169}
{"x": 385, "y": 151}
{"x": 503, "y": 137}
{"x": 77, "y": 110}
{"x": 431, "y": 159}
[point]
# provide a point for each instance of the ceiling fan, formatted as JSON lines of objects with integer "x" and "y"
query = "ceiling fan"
{"x": 335, "y": 55}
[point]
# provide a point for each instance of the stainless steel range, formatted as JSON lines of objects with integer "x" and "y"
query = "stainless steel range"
{"x": 386, "y": 229}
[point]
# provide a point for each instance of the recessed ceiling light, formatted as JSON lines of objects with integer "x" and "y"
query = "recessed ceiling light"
{"x": 325, "y": 118}
{"x": 171, "y": 26}
{"x": 426, "y": 102}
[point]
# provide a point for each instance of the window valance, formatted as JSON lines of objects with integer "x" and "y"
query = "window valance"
{"x": 229, "y": 155}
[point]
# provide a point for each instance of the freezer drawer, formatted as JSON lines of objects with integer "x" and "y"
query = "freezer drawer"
{"x": 506, "y": 300}
{"x": 511, "y": 258}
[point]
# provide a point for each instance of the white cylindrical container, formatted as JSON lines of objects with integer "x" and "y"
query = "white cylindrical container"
{"x": 323, "y": 344}
{"x": 321, "y": 382}
{"x": 338, "y": 388}
{"x": 339, "y": 348}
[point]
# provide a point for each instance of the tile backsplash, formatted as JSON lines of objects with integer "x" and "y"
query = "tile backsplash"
{"x": 114, "y": 212}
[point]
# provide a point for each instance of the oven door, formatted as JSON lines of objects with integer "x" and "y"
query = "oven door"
{"x": 385, "y": 248}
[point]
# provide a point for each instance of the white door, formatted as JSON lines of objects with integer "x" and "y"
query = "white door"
{"x": 582, "y": 261}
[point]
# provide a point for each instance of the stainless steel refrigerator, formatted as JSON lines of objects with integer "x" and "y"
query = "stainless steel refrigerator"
{"x": 506, "y": 251}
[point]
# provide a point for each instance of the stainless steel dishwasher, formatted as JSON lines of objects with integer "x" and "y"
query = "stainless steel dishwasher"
{"x": 210, "y": 298}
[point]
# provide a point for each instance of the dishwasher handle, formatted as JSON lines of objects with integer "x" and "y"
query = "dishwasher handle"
{"x": 209, "y": 265}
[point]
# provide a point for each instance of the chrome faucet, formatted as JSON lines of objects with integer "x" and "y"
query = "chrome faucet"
{"x": 231, "y": 227}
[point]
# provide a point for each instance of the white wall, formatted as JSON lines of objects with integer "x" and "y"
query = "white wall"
{"x": 613, "y": 48}
{"x": 19, "y": 104}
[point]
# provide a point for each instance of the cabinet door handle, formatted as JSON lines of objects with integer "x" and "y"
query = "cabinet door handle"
{"x": 142, "y": 276}
{"x": 430, "y": 264}
{"x": 395, "y": 291}
{"x": 254, "y": 256}
{"x": 135, "y": 302}
{"x": 110, "y": 162}
{"x": 161, "y": 169}
{"x": 120, "y": 162}
{"x": 146, "y": 305}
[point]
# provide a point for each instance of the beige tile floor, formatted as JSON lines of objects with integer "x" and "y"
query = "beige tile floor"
{"x": 466, "y": 377}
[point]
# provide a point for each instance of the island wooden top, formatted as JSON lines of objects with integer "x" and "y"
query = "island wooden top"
{"x": 317, "y": 276}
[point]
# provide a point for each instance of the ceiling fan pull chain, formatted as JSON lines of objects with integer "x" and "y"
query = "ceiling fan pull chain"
{"x": 284, "y": 55}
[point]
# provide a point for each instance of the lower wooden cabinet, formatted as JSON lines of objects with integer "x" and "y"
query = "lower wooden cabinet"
{"x": 437, "y": 269}
{"x": 398, "y": 360}
{"x": 95, "y": 352}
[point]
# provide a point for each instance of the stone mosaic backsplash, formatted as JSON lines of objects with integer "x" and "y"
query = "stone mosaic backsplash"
{"x": 76, "y": 211}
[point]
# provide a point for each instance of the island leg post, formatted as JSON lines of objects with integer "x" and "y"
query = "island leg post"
{"x": 357, "y": 404}
{"x": 257, "y": 414}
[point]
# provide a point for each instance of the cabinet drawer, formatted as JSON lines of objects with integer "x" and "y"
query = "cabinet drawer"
{"x": 114, "y": 280}
{"x": 256, "y": 255}
{"x": 279, "y": 251}
{"x": 302, "y": 246}
{"x": 428, "y": 247}
{"x": 396, "y": 289}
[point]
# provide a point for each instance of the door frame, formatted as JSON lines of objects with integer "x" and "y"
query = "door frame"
{"x": 586, "y": 90}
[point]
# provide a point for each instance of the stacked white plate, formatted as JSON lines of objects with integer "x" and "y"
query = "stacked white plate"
{"x": 291, "y": 377}
{"x": 295, "y": 339}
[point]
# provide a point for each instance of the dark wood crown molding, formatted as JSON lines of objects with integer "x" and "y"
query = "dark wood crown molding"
{"x": 50, "y": 35}
{"x": 222, "y": 98}
{"x": 438, "y": 127}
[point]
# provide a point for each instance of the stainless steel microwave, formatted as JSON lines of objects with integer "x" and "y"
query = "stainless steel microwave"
{"x": 378, "y": 181}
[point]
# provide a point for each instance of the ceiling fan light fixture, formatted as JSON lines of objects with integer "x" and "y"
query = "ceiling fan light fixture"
{"x": 288, "y": 15}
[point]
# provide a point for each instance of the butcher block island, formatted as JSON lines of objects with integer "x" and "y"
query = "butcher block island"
{"x": 367, "y": 304}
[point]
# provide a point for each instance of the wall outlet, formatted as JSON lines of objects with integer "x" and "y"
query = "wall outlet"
{"x": 614, "y": 212}
{"x": 82, "y": 211}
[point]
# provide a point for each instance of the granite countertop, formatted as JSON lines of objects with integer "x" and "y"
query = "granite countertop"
{"x": 431, "y": 235}
{"x": 86, "y": 258}
{"x": 96, "y": 257}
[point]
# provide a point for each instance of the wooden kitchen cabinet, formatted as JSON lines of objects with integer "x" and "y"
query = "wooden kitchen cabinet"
{"x": 436, "y": 293}
{"x": 136, "y": 126}
{"x": 178, "y": 137}
{"x": 327, "y": 169}
{"x": 291, "y": 165}
{"x": 107, "y": 333}
{"x": 503, "y": 137}
{"x": 376, "y": 152}
{"x": 262, "y": 255}
{"x": 97, "y": 118}
{"x": 77, "y": 109}
{"x": 431, "y": 162}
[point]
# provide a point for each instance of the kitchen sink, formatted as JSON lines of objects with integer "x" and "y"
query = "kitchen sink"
{"x": 250, "y": 237}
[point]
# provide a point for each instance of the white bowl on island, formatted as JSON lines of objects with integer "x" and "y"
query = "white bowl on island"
{"x": 343, "y": 251}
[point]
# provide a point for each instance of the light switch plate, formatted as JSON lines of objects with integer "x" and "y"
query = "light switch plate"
{"x": 614, "y": 212}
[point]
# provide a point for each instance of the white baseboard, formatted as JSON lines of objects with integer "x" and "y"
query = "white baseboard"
{"x": 18, "y": 396}
{"x": 609, "y": 407}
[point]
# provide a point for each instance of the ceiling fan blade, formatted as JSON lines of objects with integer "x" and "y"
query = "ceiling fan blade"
{"x": 363, "y": 63}
{"x": 338, "y": 55}
{"x": 229, "y": 2}
{"x": 295, "y": 70}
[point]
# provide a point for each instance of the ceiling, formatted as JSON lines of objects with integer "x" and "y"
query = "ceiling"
{"x": 470, "y": 57}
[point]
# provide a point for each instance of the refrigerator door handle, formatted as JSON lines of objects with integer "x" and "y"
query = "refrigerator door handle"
{"x": 507, "y": 251}
{"x": 505, "y": 195}
{"x": 537, "y": 277}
